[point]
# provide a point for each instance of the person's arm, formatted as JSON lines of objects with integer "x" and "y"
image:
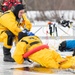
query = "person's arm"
{"x": 19, "y": 51}
{"x": 28, "y": 24}
{"x": 10, "y": 23}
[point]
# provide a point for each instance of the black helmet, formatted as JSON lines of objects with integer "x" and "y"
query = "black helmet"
{"x": 17, "y": 8}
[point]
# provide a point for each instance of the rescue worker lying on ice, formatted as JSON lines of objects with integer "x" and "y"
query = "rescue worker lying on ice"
{"x": 31, "y": 47}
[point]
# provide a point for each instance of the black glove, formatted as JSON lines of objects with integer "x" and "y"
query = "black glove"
{"x": 24, "y": 33}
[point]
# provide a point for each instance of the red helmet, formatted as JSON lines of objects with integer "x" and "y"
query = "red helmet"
{"x": 4, "y": 6}
{"x": 8, "y": 4}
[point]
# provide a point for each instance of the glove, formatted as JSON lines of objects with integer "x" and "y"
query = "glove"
{"x": 30, "y": 34}
{"x": 25, "y": 31}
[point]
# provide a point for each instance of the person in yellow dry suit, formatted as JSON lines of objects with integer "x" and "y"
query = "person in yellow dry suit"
{"x": 11, "y": 24}
{"x": 37, "y": 52}
{"x": 31, "y": 47}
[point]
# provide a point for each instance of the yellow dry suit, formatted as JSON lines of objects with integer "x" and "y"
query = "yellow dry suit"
{"x": 8, "y": 23}
{"x": 45, "y": 57}
{"x": 69, "y": 63}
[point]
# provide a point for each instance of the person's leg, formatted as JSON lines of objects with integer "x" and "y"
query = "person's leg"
{"x": 8, "y": 41}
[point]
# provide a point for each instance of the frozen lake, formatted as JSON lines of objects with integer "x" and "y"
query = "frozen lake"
{"x": 8, "y": 68}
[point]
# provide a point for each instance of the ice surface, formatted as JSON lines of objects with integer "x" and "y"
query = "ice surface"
{"x": 40, "y": 29}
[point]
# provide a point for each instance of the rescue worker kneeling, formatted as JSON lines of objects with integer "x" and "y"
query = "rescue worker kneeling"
{"x": 11, "y": 23}
{"x": 44, "y": 56}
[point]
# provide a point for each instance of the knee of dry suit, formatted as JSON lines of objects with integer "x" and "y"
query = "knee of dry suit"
{"x": 21, "y": 35}
{"x": 62, "y": 46}
{"x": 10, "y": 37}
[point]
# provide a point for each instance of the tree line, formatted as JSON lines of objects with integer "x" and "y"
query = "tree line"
{"x": 44, "y": 5}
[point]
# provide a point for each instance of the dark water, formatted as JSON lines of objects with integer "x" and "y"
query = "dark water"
{"x": 43, "y": 70}
{"x": 35, "y": 69}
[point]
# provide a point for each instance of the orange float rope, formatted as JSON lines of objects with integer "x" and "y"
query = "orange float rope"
{"x": 35, "y": 50}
